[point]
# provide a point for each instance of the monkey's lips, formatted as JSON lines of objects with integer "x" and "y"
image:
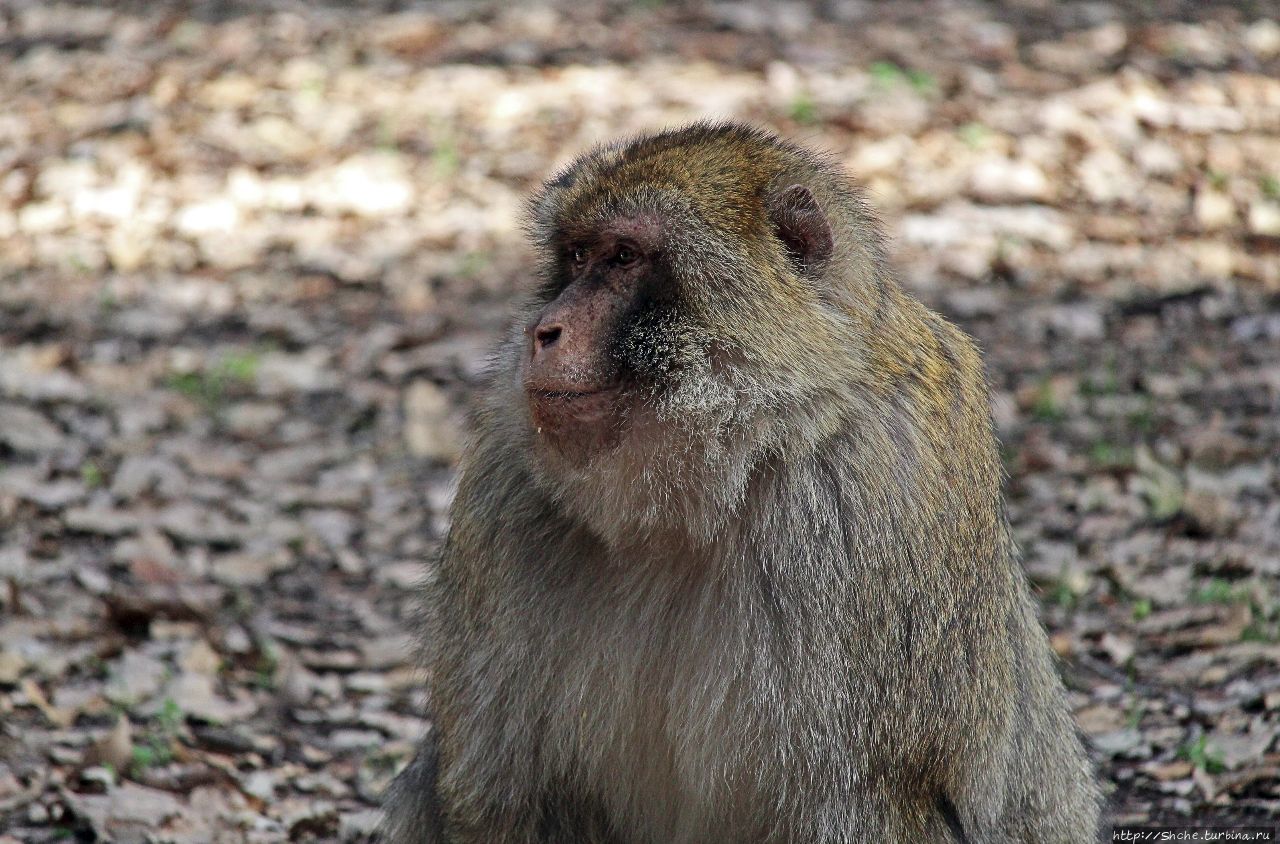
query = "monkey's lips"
{"x": 578, "y": 411}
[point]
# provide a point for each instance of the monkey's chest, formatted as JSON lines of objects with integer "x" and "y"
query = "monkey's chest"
{"x": 645, "y": 717}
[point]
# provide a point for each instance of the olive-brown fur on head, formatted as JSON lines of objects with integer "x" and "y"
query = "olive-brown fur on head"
{"x": 736, "y": 210}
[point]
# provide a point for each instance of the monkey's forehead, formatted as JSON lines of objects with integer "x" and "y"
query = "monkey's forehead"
{"x": 704, "y": 159}
{"x": 716, "y": 173}
{"x": 655, "y": 210}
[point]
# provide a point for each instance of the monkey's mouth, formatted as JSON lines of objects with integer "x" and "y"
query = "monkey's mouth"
{"x": 569, "y": 395}
{"x": 574, "y": 410}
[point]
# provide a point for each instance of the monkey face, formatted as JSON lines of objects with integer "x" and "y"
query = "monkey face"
{"x": 647, "y": 323}
{"x": 592, "y": 354}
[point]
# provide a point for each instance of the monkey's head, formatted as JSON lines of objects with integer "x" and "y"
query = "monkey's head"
{"x": 699, "y": 291}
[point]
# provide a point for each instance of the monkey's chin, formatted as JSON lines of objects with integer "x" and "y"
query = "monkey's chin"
{"x": 577, "y": 424}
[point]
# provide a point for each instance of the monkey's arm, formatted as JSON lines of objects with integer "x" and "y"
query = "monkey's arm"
{"x": 477, "y": 778}
{"x": 413, "y": 813}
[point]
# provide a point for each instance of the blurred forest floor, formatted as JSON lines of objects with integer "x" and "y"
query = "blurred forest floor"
{"x": 251, "y": 257}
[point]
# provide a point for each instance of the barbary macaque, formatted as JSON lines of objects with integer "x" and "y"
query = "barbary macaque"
{"x": 728, "y": 559}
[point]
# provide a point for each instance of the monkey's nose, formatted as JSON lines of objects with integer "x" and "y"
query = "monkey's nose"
{"x": 545, "y": 336}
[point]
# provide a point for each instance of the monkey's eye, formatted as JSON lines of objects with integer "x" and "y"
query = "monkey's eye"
{"x": 578, "y": 256}
{"x": 625, "y": 255}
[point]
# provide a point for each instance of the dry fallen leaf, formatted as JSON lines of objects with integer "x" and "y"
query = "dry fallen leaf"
{"x": 115, "y": 748}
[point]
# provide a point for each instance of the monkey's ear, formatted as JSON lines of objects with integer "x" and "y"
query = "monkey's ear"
{"x": 802, "y": 226}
